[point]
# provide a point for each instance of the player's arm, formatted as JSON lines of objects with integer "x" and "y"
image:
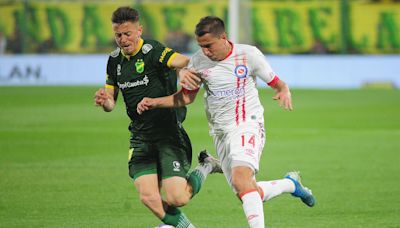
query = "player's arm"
{"x": 263, "y": 70}
{"x": 188, "y": 78}
{"x": 178, "y": 99}
{"x": 106, "y": 97}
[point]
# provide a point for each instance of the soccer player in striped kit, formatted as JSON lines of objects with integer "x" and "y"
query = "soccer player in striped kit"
{"x": 228, "y": 72}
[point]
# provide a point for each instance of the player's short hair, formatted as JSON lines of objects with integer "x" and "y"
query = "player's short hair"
{"x": 124, "y": 14}
{"x": 210, "y": 24}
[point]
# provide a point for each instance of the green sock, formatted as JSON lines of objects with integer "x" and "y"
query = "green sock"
{"x": 172, "y": 210}
{"x": 196, "y": 179}
{"x": 178, "y": 220}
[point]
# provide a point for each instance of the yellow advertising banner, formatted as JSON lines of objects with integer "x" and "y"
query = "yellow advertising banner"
{"x": 295, "y": 27}
{"x": 276, "y": 27}
{"x": 375, "y": 28}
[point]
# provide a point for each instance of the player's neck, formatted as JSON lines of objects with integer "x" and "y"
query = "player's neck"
{"x": 229, "y": 47}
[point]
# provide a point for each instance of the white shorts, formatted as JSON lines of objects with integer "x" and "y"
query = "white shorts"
{"x": 241, "y": 147}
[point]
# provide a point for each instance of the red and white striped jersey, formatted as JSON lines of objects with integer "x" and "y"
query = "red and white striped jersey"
{"x": 231, "y": 96}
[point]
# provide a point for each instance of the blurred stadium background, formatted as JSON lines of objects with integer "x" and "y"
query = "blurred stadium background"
{"x": 312, "y": 43}
{"x": 63, "y": 161}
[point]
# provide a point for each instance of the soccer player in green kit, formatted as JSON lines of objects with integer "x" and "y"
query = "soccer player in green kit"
{"x": 160, "y": 150}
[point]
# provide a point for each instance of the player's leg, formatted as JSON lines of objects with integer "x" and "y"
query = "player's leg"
{"x": 175, "y": 158}
{"x": 143, "y": 168}
{"x": 291, "y": 183}
{"x": 274, "y": 188}
{"x": 246, "y": 187}
{"x": 239, "y": 152}
{"x": 149, "y": 194}
{"x": 175, "y": 217}
{"x": 147, "y": 186}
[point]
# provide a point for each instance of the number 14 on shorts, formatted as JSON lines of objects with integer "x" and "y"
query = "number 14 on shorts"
{"x": 248, "y": 140}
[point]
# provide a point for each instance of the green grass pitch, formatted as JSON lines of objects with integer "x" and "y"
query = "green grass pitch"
{"x": 63, "y": 162}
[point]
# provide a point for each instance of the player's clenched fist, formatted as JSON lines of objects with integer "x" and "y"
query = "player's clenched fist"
{"x": 104, "y": 99}
{"x": 144, "y": 105}
{"x": 100, "y": 97}
{"x": 189, "y": 79}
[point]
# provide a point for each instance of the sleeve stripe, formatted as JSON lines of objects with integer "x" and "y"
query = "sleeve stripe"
{"x": 273, "y": 82}
{"x": 171, "y": 58}
{"x": 107, "y": 86}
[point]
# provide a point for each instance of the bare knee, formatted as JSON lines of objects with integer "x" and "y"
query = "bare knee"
{"x": 242, "y": 180}
{"x": 241, "y": 185}
{"x": 177, "y": 191}
{"x": 176, "y": 199}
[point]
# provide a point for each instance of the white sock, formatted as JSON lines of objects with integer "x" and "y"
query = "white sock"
{"x": 204, "y": 169}
{"x": 274, "y": 188}
{"x": 253, "y": 209}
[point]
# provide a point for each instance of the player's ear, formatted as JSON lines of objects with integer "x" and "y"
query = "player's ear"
{"x": 223, "y": 36}
{"x": 140, "y": 29}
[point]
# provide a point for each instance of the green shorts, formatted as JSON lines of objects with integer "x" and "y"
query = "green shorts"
{"x": 167, "y": 157}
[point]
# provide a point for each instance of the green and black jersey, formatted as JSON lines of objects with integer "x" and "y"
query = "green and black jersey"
{"x": 146, "y": 74}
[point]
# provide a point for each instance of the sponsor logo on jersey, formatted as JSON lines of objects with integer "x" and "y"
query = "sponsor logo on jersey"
{"x": 125, "y": 85}
{"x": 241, "y": 71}
{"x": 236, "y": 92}
{"x": 119, "y": 69}
{"x": 177, "y": 166}
{"x": 139, "y": 66}
{"x": 163, "y": 54}
{"x": 146, "y": 48}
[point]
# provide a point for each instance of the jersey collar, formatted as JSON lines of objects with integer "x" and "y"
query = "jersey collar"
{"x": 141, "y": 41}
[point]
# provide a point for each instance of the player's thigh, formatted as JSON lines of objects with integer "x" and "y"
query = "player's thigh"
{"x": 142, "y": 159}
{"x": 223, "y": 150}
{"x": 147, "y": 184}
{"x": 174, "y": 157}
{"x": 246, "y": 144}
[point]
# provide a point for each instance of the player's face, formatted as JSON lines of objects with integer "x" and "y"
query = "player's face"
{"x": 127, "y": 36}
{"x": 214, "y": 47}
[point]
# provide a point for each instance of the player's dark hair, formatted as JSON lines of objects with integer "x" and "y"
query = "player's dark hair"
{"x": 124, "y": 14}
{"x": 210, "y": 24}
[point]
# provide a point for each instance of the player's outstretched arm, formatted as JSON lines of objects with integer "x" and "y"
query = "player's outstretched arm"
{"x": 283, "y": 95}
{"x": 104, "y": 97}
{"x": 179, "y": 99}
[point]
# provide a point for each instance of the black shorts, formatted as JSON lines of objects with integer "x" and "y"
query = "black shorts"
{"x": 167, "y": 157}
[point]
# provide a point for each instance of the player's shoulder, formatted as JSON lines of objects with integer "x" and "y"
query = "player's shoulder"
{"x": 198, "y": 58}
{"x": 115, "y": 53}
{"x": 250, "y": 50}
{"x": 247, "y": 47}
{"x": 198, "y": 55}
{"x": 149, "y": 43}
{"x": 114, "y": 58}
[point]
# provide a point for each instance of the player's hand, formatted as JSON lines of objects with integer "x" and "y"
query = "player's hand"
{"x": 285, "y": 99}
{"x": 189, "y": 79}
{"x": 144, "y": 105}
{"x": 100, "y": 97}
